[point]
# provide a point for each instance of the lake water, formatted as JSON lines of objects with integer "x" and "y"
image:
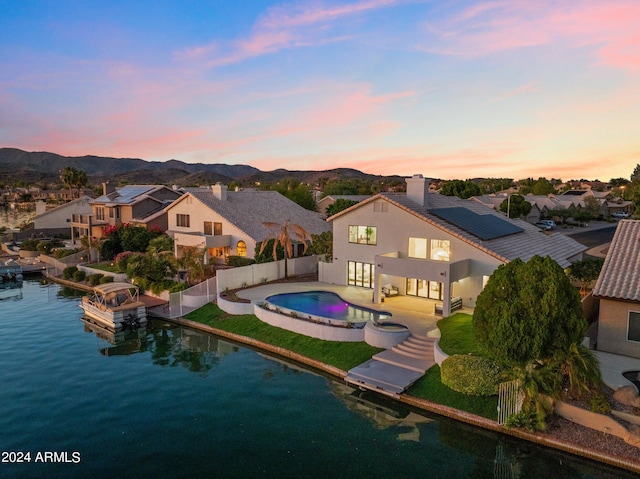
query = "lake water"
{"x": 172, "y": 402}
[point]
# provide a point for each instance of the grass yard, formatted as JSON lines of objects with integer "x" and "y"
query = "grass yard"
{"x": 457, "y": 338}
{"x": 457, "y": 335}
{"x": 106, "y": 266}
{"x": 430, "y": 387}
{"x": 335, "y": 353}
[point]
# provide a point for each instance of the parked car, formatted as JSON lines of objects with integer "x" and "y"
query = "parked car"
{"x": 546, "y": 224}
{"x": 620, "y": 214}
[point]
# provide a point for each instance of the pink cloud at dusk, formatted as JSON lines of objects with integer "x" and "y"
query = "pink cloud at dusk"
{"x": 522, "y": 88}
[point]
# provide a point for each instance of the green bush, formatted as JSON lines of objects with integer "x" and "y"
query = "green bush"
{"x": 45, "y": 247}
{"x": 237, "y": 261}
{"x": 69, "y": 271}
{"x": 79, "y": 276}
{"x": 94, "y": 279}
{"x": 61, "y": 253}
{"x": 106, "y": 279}
{"x": 472, "y": 375}
{"x": 599, "y": 404}
{"x": 30, "y": 244}
{"x": 523, "y": 420}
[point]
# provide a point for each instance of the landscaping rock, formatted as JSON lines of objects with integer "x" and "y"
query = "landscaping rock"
{"x": 627, "y": 395}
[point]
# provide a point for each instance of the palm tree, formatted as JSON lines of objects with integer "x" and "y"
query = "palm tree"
{"x": 285, "y": 234}
{"x": 90, "y": 243}
{"x": 192, "y": 260}
{"x": 73, "y": 178}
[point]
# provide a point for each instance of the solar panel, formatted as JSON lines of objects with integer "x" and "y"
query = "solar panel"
{"x": 128, "y": 193}
{"x": 485, "y": 227}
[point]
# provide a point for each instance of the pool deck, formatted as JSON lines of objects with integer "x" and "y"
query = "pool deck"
{"x": 418, "y": 315}
{"x": 415, "y": 313}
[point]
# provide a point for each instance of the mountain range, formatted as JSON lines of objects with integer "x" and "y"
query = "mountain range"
{"x": 32, "y": 167}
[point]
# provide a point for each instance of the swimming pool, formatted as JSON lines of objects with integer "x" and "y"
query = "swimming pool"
{"x": 326, "y": 304}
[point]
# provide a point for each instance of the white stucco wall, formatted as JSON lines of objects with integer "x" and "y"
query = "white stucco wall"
{"x": 60, "y": 217}
{"x": 198, "y": 214}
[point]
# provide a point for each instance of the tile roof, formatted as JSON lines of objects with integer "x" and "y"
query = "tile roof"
{"x": 248, "y": 209}
{"x": 620, "y": 275}
{"x": 524, "y": 245}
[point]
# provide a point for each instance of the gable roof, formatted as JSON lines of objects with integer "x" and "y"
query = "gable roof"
{"x": 131, "y": 194}
{"x": 530, "y": 241}
{"x": 620, "y": 276}
{"x": 69, "y": 204}
{"x": 248, "y": 209}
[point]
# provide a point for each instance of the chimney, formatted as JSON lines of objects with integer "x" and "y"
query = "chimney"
{"x": 418, "y": 189}
{"x": 107, "y": 188}
{"x": 219, "y": 191}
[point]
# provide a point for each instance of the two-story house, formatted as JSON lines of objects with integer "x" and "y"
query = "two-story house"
{"x": 432, "y": 246}
{"x": 225, "y": 223}
{"x": 140, "y": 205}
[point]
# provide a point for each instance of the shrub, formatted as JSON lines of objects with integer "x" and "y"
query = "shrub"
{"x": 61, "y": 253}
{"x": 471, "y": 375}
{"x": 79, "y": 276}
{"x": 599, "y": 404}
{"x": 45, "y": 247}
{"x": 94, "y": 279}
{"x": 523, "y": 420}
{"x": 30, "y": 244}
{"x": 122, "y": 260}
{"x": 69, "y": 271}
{"x": 237, "y": 261}
{"x": 106, "y": 279}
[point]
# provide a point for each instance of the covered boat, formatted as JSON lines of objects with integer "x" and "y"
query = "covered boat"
{"x": 115, "y": 306}
{"x": 10, "y": 279}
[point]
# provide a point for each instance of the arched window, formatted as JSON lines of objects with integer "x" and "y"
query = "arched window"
{"x": 242, "y": 248}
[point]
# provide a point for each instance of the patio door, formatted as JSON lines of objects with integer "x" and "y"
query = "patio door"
{"x": 424, "y": 289}
{"x": 360, "y": 274}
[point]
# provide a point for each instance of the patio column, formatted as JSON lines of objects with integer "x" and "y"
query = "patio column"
{"x": 376, "y": 287}
{"x": 446, "y": 297}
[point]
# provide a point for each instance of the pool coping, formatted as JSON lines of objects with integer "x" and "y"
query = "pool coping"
{"x": 457, "y": 414}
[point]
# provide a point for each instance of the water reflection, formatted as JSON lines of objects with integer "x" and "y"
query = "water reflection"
{"x": 166, "y": 343}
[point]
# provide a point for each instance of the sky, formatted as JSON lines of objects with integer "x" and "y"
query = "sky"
{"x": 449, "y": 89}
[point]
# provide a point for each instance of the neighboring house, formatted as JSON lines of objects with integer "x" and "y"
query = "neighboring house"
{"x": 618, "y": 289}
{"x": 226, "y": 223}
{"x": 141, "y": 205}
{"x": 542, "y": 206}
{"x": 432, "y": 246}
{"x": 328, "y": 200}
{"x": 59, "y": 218}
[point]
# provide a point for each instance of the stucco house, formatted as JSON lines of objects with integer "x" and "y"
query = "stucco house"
{"x": 328, "y": 200}
{"x": 432, "y": 246}
{"x": 618, "y": 289}
{"x": 226, "y": 223}
{"x": 141, "y": 205}
{"x": 59, "y": 218}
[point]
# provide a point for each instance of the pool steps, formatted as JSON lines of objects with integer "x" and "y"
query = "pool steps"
{"x": 393, "y": 370}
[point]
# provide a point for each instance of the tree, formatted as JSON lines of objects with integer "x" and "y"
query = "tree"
{"x": 339, "y": 205}
{"x": 542, "y": 187}
{"x": 585, "y": 271}
{"x": 90, "y": 244}
{"x": 592, "y": 206}
{"x": 285, "y": 234}
{"x": 529, "y": 318}
{"x": 73, "y": 178}
{"x": 528, "y": 311}
{"x": 192, "y": 261}
{"x": 518, "y": 206}
{"x": 323, "y": 246}
{"x": 461, "y": 189}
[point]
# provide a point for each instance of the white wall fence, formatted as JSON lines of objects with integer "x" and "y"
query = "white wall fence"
{"x": 255, "y": 274}
{"x": 56, "y": 266}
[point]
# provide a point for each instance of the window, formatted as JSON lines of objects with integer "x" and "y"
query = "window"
{"x": 360, "y": 274}
{"x": 242, "y": 248}
{"x": 208, "y": 228}
{"x": 100, "y": 213}
{"x": 440, "y": 250}
{"x": 182, "y": 221}
{"x": 363, "y": 234}
{"x": 633, "y": 333}
{"x": 217, "y": 229}
{"x": 424, "y": 288}
{"x": 111, "y": 213}
{"x": 418, "y": 248}
{"x": 380, "y": 207}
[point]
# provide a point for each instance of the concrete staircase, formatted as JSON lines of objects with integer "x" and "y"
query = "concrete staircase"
{"x": 393, "y": 370}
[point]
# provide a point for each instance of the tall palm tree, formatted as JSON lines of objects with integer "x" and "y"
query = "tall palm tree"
{"x": 285, "y": 234}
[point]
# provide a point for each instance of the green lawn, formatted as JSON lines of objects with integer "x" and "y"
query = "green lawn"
{"x": 106, "y": 266}
{"x": 430, "y": 387}
{"x": 457, "y": 335}
{"x": 335, "y": 353}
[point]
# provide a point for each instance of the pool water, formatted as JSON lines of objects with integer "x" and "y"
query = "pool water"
{"x": 326, "y": 304}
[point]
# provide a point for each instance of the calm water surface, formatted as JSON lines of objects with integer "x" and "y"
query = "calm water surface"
{"x": 170, "y": 402}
